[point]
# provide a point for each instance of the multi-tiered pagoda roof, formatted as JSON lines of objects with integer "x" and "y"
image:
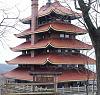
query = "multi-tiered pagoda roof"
{"x": 55, "y": 46}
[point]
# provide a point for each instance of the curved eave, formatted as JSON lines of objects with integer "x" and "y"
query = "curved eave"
{"x": 53, "y": 59}
{"x": 19, "y": 73}
{"x": 58, "y": 27}
{"x": 24, "y": 33}
{"x": 54, "y": 7}
{"x": 66, "y": 76}
{"x": 55, "y": 43}
{"x": 28, "y": 19}
{"x": 73, "y": 15}
{"x": 67, "y": 28}
{"x": 57, "y": 8}
{"x": 77, "y": 75}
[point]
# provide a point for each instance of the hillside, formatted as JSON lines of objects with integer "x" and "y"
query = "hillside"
{"x": 5, "y": 68}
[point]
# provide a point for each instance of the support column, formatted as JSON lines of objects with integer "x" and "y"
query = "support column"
{"x": 55, "y": 84}
{"x": 34, "y": 15}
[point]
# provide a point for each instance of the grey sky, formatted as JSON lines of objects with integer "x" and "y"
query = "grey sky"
{"x": 11, "y": 6}
{"x": 5, "y": 52}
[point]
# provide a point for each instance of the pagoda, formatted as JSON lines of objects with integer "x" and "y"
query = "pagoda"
{"x": 51, "y": 48}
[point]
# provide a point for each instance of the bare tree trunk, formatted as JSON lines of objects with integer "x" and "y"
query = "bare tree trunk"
{"x": 94, "y": 35}
{"x": 97, "y": 52}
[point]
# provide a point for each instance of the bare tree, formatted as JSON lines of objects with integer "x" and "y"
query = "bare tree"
{"x": 5, "y": 27}
{"x": 91, "y": 22}
{"x": 7, "y": 21}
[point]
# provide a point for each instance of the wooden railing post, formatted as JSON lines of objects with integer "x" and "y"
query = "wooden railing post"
{"x": 55, "y": 85}
{"x": 78, "y": 88}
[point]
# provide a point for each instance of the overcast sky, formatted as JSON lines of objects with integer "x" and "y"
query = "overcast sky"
{"x": 13, "y": 7}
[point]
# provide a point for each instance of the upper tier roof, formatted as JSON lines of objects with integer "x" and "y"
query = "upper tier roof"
{"x": 68, "y": 75}
{"x": 59, "y": 27}
{"x": 53, "y": 59}
{"x": 56, "y": 43}
{"x": 57, "y": 8}
{"x": 68, "y": 28}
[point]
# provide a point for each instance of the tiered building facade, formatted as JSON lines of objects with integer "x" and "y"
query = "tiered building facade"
{"x": 51, "y": 50}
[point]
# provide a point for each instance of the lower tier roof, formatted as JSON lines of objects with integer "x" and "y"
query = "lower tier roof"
{"x": 56, "y": 43}
{"x": 68, "y": 75}
{"x": 53, "y": 59}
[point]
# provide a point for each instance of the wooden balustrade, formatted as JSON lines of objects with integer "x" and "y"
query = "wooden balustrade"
{"x": 28, "y": 88}
{"x": 77, "y": 89}
{"x": 36, "y": 88}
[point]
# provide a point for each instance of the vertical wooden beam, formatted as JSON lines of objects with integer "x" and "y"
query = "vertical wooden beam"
{"x": 34, "y": 15}
{"x": 55, "y": 84}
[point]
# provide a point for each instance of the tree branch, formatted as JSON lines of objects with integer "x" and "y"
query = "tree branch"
{"x": 10, "y": 26}
{"x": 85, "y": 11}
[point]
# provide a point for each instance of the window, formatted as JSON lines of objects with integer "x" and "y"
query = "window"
{"x": 72, "y": 36}
{"x": 60, "y": 66}
{"x": 68, "y": 66}
{"x": 73, "y": 51}
{"x": 43, "y": 36}
{"x": 62, "y": 35}
{"x": 48, "y": 50}
{"x": 66, "y": 50}
{"x": 76, "y": 65}
{"x": 28, "y": 52}
{"x": 59, "y": 50}
{"x": 66, "y": 36}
